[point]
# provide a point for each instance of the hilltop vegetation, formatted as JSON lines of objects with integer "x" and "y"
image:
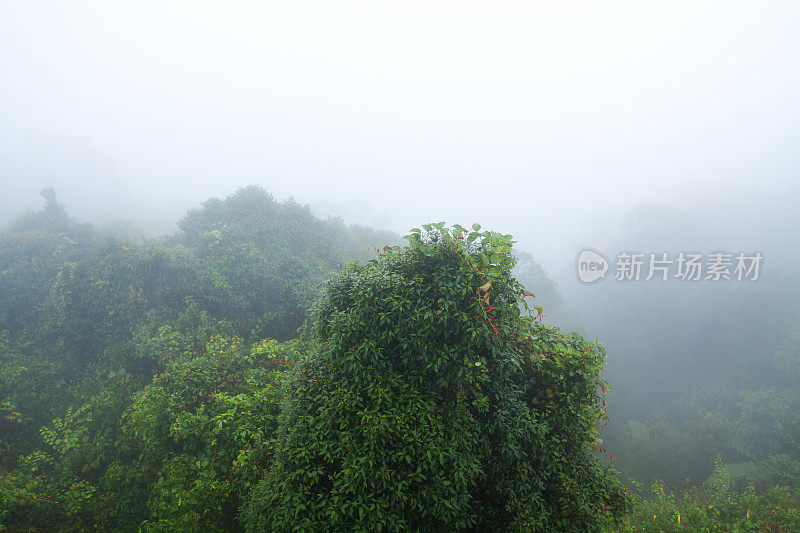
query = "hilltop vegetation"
{"x": 262, "y": 369}
{"x": 139, "y": 378}
{"x": 170, "y": 384}
{"x": 432, "y": 402}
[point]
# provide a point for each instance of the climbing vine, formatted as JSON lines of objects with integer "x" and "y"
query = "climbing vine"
{"x": 432, "y": 403}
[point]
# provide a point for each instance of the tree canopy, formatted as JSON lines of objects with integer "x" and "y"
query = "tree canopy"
{"x": 432, "y": 402}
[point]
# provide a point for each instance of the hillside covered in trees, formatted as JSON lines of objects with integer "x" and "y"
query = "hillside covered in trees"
{"x": 265, "y": 370}
{"x": 139, "y": 378}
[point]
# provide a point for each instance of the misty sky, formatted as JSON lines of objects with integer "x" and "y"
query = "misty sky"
{"x": 549, "y": 120}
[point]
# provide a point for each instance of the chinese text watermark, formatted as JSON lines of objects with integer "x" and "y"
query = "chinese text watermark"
{"x": 684, "y": 266}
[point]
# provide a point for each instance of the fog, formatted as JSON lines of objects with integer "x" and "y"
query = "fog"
{"x": 548, "y": 121}
{"x": 617, "y": 126}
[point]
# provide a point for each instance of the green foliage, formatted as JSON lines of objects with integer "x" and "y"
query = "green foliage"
{"x": 196, "y": 431}
{"x": 270, "y": 258}
{"x": 40, "y": 494}
{"x": 752, "y": 421}
{"x": 432, "y": 403}
{"x": 137, "y": 386}
{"x": 716, "y": 507}
{"x": 142, "y": 388}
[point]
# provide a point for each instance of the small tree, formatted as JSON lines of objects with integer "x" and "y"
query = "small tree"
{"x": 434, "y": 403}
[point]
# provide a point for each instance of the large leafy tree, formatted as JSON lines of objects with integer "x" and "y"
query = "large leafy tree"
{"x": 272, "y": 258}
{"x": 433, "y": 403}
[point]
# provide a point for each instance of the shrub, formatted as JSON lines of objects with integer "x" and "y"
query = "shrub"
{"x": 433, "y": 403}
